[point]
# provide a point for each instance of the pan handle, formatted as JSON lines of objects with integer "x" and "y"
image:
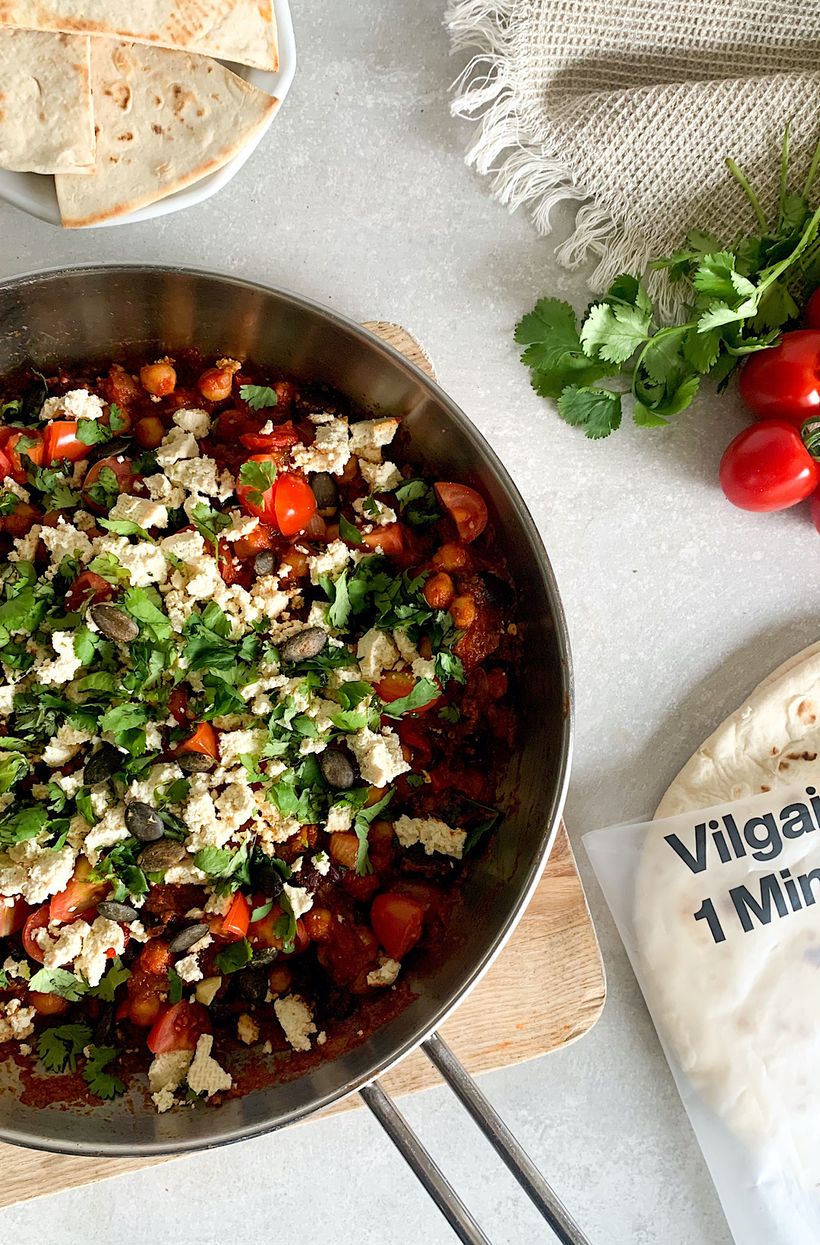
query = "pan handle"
{"x": 494, "y": 1129}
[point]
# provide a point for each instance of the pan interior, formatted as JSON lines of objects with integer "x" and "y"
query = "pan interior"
{"x": 95, "y": 314}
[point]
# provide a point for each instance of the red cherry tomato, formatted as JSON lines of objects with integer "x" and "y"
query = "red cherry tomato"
{"x": 123, "y": 472}
{"x": 397, "y": 923}
{"x": 395, "y": 685}
{"x": 280, "y": 438}
{"x": 13, "y": 918}
{"x": 179, "y": 1028}
{"x": 767, "y": 467}
{"x": 389, "y": 539}
{"x": 33, "y": 449}
{"x": 178, "y": 705}
{"x": 203, "y": 740}
{"x": 233, "y": 926}
{"x": 811, "y": 311}
{"x": 38, "y": 920}
{"x": 5, "y": 464}
{"x": 78, "y": 896}
{"x": 466, "y": 508}
{"x": 288, "y": 504}
{"x": 784, "y": 381}
{"x": 88, "y": 587}
{"x": 61, "y": 443}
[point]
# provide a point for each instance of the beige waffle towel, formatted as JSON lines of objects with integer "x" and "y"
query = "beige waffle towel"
{"x": 630, "y": 107}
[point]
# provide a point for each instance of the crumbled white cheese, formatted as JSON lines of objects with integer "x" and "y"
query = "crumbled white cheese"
{"x": 11, "y": 486}
{"x": 234, "y": 744}
{"x": 301, "y": 900}
{"x": 197, "y": 475}
{"x": 176, "y": 445}
{"x": 25, "y": 549}
{"x": 205, "y": 1076}
{"x": 433, "y": 834}
{"x": 193, "y": 420}
{"x": 241, "y": 525}
{"x": 382, "y": 477}
{"x": 7, "y": 698}
{"x": 331, "y": 561}
{"x": 65, "y": 665}
{"x": 379, "y": 756}
{"x": 376, "y": 653}
{"x": 330, "y": 450}
{"x": 16, "y": 968}
{"x": 188, "y": 968}
{"x": 321, "y": 863}
{"x": 187, "y": 546}
{"x": 385, "y": 974}
{"x": 166, "y": 1074}
{"x": 369, "y": 435}
{"x": 296, "y": 1020}
{"x": 140, "y": 511}
{"x": 67, "y": 946}
{"x": 104, "y": 936}
{"x": 236, "y": 805}
{"x": 110, "y": 829}
{"x": 64, "y": 541}
{"x": 247, "y": 1030}
{"x": 76, "y": 404}
{"x": 161, "y": 489}
{"x": 35, "y": 872}
{"x": 16, "y": 1021}
{"x": 339, "y": 819}
{"x": 64, "y": 746}
{"x": 375, "y": 511}
{"x": 144, "y": 562}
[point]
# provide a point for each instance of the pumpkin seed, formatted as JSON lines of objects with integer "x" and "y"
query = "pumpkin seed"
{"x": 304, "y": 645}
{"x": 143, "y": 821}
{"x": 185, "y": 939}
{"x": 114, "y": 623}
{"x": 103, "y": 765}
{"x": 157, "y": 857}
{"x": 337, "y": 769}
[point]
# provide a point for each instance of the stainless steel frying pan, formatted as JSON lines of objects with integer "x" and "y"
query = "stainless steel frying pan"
{"x": 89, "y": 314}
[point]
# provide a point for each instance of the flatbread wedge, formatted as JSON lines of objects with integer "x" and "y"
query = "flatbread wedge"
{"x": 237, "y": 30}
{"x": 46, "y": 116}
{"x": 164, "y": 119}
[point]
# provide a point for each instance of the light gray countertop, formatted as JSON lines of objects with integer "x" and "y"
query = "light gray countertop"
{"x": 677, "y": 605}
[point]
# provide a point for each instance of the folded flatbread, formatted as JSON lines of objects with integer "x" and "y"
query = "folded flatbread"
{"x": 235, "y": 30}
{"x": 46, "y": 117}
{"x": 164, "y": 119}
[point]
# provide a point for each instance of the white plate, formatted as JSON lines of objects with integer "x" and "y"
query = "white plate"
{"x": 34, "y": 193}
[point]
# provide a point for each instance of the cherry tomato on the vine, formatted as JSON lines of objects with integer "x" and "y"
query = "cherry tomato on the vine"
{"x": 783, "y": 382}
{"x": 767, "y": 467}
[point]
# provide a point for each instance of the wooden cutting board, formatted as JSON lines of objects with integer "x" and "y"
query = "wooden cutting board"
{"x": 546, "y": 989}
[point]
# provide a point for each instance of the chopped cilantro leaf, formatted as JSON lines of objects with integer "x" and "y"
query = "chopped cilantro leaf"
{"x": 59, "y": 1046}
{"x": 59, "y": 981}
{"x": 92, "y": 431}
{"x": 174, "y": 986}
{"x": 100, "y": 1082}
{"x": 258, "y": 397}
{"x": 422, "y": 694}
{"x": 257, "y": 478}
{"x": 125, "y": 527}
{"x": 116, "y": 420}
{"x": 234, "y": 957}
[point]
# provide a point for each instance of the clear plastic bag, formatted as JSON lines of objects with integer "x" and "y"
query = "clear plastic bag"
{"x": 719, "y": 912}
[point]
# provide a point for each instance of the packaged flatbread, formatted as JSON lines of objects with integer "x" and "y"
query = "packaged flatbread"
{"x": 718, "y": 905}
{"x": 236, "y": 30}
{"x": 164, "y": 119}
{"x": 46, "y": 117}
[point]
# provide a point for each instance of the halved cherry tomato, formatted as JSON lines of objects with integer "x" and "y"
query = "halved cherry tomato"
{"x": 78, "y": 896}
{"x": 88, "y": 587}
{"x": 397, "y": 922}
{"x": 13, "y": 918}
{"x": 21, "y": 520}
{"x": 233, "y": 926}
{"x": 466, "y": 508}
{"x": 179, "y": 1028}
{"x": 288, "y": 504}
{"x": 32, "y": 448}
{"x": 203, "y": 740}
{"x": 38, "y": 920}
{"x": 390, "y": 539}
{"x": 61, "y": 443}
{"x": 280, "y": 438}
{"x": 396, "y": 684}
{"x": 767, "y": 467}
{"x": 783, "y": 382}
{"x": 122, "y": 470}
{"x": 5, "y": 464}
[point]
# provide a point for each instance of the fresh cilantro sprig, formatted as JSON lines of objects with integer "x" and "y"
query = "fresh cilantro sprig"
{"x": 737, "y": 299}
{"x": 258, "y": 397}
{"x": 257, "y": 478}
{"x": 100, "y": 1082}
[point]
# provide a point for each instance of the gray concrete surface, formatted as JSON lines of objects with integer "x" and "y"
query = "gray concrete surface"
{"x": 677, "y": 605}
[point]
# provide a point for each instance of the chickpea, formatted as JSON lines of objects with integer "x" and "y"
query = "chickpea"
{"x": 425, "y": 647}
{"x": 216, "y": 383}
{"x": 158, "y": 378}
{"x": 279, "y": 979}
{"x": 344, "y": 849}
{"x": 463, "y": 612}
{"x": 318, "y": 924}
{"x": 439, "y": 591}
{"x": 149, "y": 432}
{"x": 297, "y": 564}
{"x": 451, "y": 557}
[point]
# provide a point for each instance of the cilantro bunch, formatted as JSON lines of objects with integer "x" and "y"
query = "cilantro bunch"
{"x": 737, "y": 298}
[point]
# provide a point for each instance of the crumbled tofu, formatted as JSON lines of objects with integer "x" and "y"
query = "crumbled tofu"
{"x": 65, "y": 745}
{"x": 161, "y": 489}
{"x": 16, "y": 968}
{"x": 144, "y": 562}
{"x": 301, "y": 900}
{"x": 330, "y": 450}
{"x": 64, "y": 541}
{"x": 26, "y": 548}
{"x": 375, "y": 511}
{"x": 433, "y": 834}
{"x": 65, "y": 665}
{"x": 236, "y": 805}
{"x": 197, "y": 475}
{"x": 369, "y": 436}
{"x": 7, "y": 698}
{"x": 35, "y": 872}
{"x": 247, "y": 1030}
{"x": 379, "y": 756}
{"x": 296, "y": 1020}
{"x": 166, "y": 1074}
{"x": 188, "y": 968}
{"x": 76, "y": 404}
{"x": 339, "y": 819}
{"x": 110, "y": 829}
{"x": 68, "y": 945}
{"x": 139, "y": 510}
{"x": 104, "y": 936}
{"x": 11, "y": 486}
{"x": 218, "y": 904}
{"x": 321, "y": 863}
{"x": 194, "y": 421}
{"x": 241, "y": 525}
{"x": 331, "y": 561}
{"x": 16, "y": 1021}
{"x": 207, "y": 990}
{"x": 376, "y": 653}
{"x": 176, "y": 445}
{"x": 205, "y": 1076}
{"x": 385, "y": 974}
{"x": 382, "y": 477}
{"x": 187, "y": 546}
{"x": 234, "y": 744}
